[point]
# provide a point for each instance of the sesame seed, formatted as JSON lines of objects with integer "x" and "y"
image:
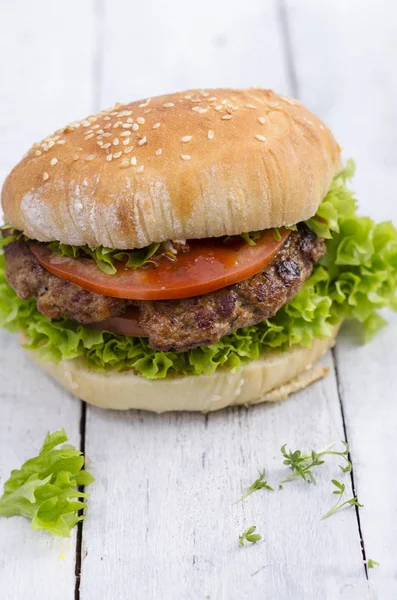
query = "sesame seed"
{"x": 289, "y": 100}
{"x": 185, "y": 156}
{"x": 117, "y": 124}
{"x": 106, "y": 118}
{"x": 92, "y": 119}
{"x": 213, "y": 99}
{"x": 142, "y": 141}
{"x": 159, "y": 151}
{"x": 147, "y": 111}
{"x": 133, "y": 161}
{"x": 262, "y": 120}
{"x": 107, "y": 134}
{"x": 95, "y": 127}
{"x": 76, "y": 157}
{"x": 126, "y": 125}
{"x": 250, "y": 106}
{"x": 211, "y": 134}
{"x": 187, "y": 97}
{"x": 226, "y": 117}
{"x": 140, "y": 120}
{"x": 273, "y": 104}
{"x": 45, "y": 176}
{"x": 125, "y": 133}
{"x": 126, "y": 141}
{"x": 125, "y": 113}
{"x": 38, "y": 153}
{"x": 143, "y": 105}
{"x": 199, "y": 109}
{"x": 260, "y": 137}
{"x": 117, "y": 154}
{"x": 88, "y": 137}
{"x": 109, "y": 157}
{"x": 321, "y": 127}
{"x": 186, "y": 138}
{"x": 107, "y": 126}
{"x": 135, "y": 127}
{"x": 61, "y": 142}
{"x": 106, "y": 146}
{"x": 218, "y": 107}
{"x": 128, "y": 150}
{"x": 85, "y": 123}
{"x": 90, "y": 157}
{"x": 156, "y": 126}
{"x": 99, "y": 143}
{"x": 129, "y": 120}
{"x": 125, "y": 163}
{"x": 140, "y": 169}
{"x": 168, "y": 105}
{"x": 51, "y": 144}
{"x": 114, "y": 113}
{"x": 116, "y": 142}
{"x": 53, "y": 162}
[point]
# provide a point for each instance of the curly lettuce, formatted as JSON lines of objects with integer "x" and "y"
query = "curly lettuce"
{"x": 45, "y": 488}
{"x": 356, "y": 278}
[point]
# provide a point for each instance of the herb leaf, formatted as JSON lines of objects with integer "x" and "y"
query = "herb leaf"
{"x": 258, "y": 484}
{"x": 249, "y": 535}
{"x": 340, "y": 491}
{"x": 301, "y": 464}
{"x": 44, "y": 489}
{"x": 372, "y": 563}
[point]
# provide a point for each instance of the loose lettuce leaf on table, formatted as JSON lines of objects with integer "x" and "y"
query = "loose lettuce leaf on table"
{"x": 45, "y": 488}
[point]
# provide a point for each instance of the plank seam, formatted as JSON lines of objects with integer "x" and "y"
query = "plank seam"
{"x": 288, "y": 50}
{"x": 79, "y": 537}
{"x": 360, "y": 533}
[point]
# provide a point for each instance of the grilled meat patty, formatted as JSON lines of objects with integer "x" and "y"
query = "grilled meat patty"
{"x": 175, "y": 324}
{"x": 203, "y": 320}
{"x": 55, "y": 297}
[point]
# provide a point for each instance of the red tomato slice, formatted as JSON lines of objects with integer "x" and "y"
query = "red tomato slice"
{"x": 124, "y": 324}
{"x": 208, "y": 265}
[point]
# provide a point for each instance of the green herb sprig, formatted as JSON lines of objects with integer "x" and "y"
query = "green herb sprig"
{"x": 340, "y": 491}
{"x": 249, "y": 535}
{"x": 301, "y": 464}
{"x": 259, "y": 484}
{"x": 372, "y": 563}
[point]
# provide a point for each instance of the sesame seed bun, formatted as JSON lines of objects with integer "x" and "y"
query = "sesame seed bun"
{"x": 196, "y": 164}
{"x": 273, "y": 377}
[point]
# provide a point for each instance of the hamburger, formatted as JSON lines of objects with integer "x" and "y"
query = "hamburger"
{"x": 189, "y": 251}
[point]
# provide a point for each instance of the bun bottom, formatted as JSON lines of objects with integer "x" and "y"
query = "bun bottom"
{"x": 268, "y": 379}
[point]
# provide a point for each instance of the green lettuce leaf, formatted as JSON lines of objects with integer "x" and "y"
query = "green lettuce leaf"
{"x": 45, "y": 488}
{"x": 105, "y": 258}
{"x": 356, "y": 278}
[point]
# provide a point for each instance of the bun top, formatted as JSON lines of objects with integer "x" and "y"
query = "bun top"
{"x": 202, "y": 163}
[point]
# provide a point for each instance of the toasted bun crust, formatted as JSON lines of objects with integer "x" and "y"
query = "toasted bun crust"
{"x": 195, "y": 164}
{"x": 270, "y": 378}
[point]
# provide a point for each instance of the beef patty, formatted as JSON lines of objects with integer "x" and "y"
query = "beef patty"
{"x": 175, "y": 324}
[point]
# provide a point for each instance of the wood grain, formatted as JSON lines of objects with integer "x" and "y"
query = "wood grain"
{"x": 45, "y": 81}
{"x": 346, "y": 71}
{"x": 162, "y": 522}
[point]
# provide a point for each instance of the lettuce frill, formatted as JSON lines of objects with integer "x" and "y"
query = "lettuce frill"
{"x": 356, "y": 278}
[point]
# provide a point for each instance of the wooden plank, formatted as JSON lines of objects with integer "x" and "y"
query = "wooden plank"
{"x": 162, "y": 521}
{"x": 346, "y": 69}
{"x": 46, "y": 81}
{"x": 32, "y": 565}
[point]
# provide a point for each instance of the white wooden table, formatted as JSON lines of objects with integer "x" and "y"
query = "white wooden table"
{"x": 161, "y": 523}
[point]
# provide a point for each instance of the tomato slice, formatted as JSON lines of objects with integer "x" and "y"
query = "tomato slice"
{"x": 124, "y": 324}
{"x": 209, "y": 264}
